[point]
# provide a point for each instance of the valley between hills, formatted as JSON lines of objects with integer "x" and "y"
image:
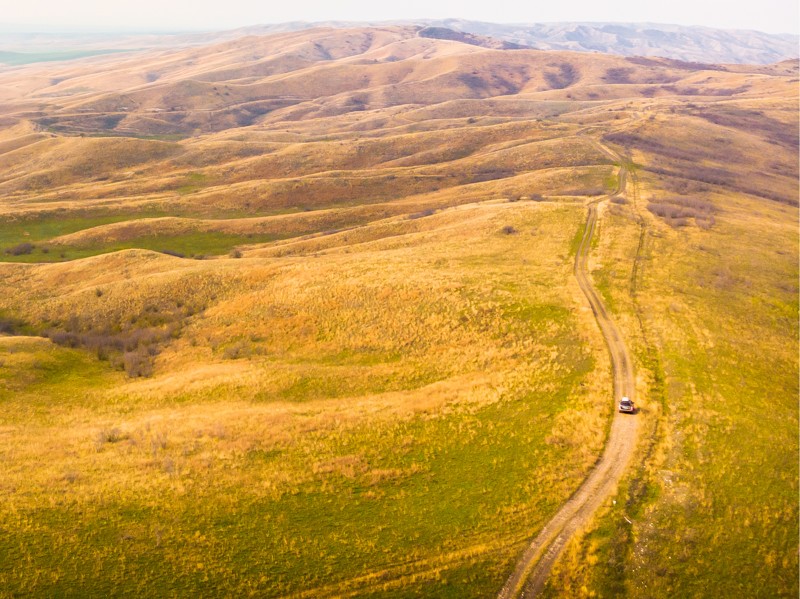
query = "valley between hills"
{"x": 332, "y": 313}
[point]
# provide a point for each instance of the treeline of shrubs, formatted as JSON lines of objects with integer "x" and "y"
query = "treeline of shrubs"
{"x": 132, "y": 351}
{"x": 689, "y": 169}
{"x": 674, "y": 63}
{"x": 622, "y": 75}
{"x": 648, "y": 144}
{"x": 700, "y": 174}
{"x": 709, "y": 91}
{"x": 752, "y": 121}
{"x": 130, "y": 346}
{"x": 491, "y": 174}
{"x": 583, "y": 191}
{"x": 717, "y": 176}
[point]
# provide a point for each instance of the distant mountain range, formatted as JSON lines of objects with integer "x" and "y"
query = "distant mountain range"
{"x": 693, "y": 44}
{"x": 702, "y": 44}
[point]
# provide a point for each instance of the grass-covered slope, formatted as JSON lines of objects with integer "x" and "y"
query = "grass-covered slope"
{"x": 383, "y": 416}
{"x": 297, "y": 315}
{"x": 712, "y": 508}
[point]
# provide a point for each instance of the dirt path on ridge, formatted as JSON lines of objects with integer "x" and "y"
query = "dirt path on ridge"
{"x": 534, "y": 566}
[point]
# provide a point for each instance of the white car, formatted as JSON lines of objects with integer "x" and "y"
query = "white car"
{"x": 626, "y": 405}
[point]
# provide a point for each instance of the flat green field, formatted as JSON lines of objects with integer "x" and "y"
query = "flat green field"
{"x": 15, "y": 59}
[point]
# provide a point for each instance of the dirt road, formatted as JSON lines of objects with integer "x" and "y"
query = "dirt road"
{"x": 535, "y": 564}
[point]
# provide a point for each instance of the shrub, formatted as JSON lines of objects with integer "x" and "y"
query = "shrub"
{"x": 9, "y": 326}
{"x": 236, "y": 253}
{"x": 138, "y": 363}
{"x": 237, "y": 350}
{"x": 21, "y": 249}
{"x": 508, "y": 230}
{"x": 421, "y": 214}
{"x": 63, "y": 338}
{"x": 618, "y": 75}
{"x": 112, "y": 435}
{"x": 705, "y": 222}
{"x": 584, "y": 191}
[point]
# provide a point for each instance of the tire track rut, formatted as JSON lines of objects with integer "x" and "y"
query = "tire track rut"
{"x": 534, "y": 566}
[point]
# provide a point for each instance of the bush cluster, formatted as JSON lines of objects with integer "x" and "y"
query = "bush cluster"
{"x": 21, "y": 249}
{"x": 130, "y": 345}
{"x": 565, "y": 76}
{"x": 677, "y": 211}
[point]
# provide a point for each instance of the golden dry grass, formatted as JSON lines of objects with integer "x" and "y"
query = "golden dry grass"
{"x": 398, "y": 381}
{"x": 431, "y": 328}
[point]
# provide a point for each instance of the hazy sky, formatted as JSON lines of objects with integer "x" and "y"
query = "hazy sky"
{"x": 775, "y": 16}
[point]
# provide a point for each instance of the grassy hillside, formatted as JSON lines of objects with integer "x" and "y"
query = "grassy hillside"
{"x": 711, "y": 510}
{"x": 296, "y": 315}
{"x": 311, "y": 403}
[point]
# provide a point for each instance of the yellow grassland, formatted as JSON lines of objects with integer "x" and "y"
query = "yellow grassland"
{"x": 392, "y": 380}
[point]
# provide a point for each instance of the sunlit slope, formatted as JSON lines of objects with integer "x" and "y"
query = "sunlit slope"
{"x": 310, "y": 399}
{"x": 366, "y": 165}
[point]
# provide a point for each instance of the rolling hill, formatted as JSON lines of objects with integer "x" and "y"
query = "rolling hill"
{"x": 300, "y": 314}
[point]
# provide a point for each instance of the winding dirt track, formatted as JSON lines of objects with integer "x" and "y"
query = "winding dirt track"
{"x": 535, "y": 564}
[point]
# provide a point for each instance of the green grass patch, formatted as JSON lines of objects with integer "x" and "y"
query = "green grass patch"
{"x": 32, "y": 230}
{"x": 575, "y": 244}
{"x": 605, "y": 283}
{"x": 15, "y": 59}
{"x": 611, "y": 182}
{"x": 189, "y": 245}
{"x": 36, "y": 375}
{"x": 384, "y": 495}
{"x": 194, "y": 182}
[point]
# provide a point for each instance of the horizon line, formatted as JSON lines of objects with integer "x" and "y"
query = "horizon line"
{"x": 42, "y": 28}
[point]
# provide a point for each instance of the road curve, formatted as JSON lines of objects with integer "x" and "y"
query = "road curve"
{"x": 534, "y": 566}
